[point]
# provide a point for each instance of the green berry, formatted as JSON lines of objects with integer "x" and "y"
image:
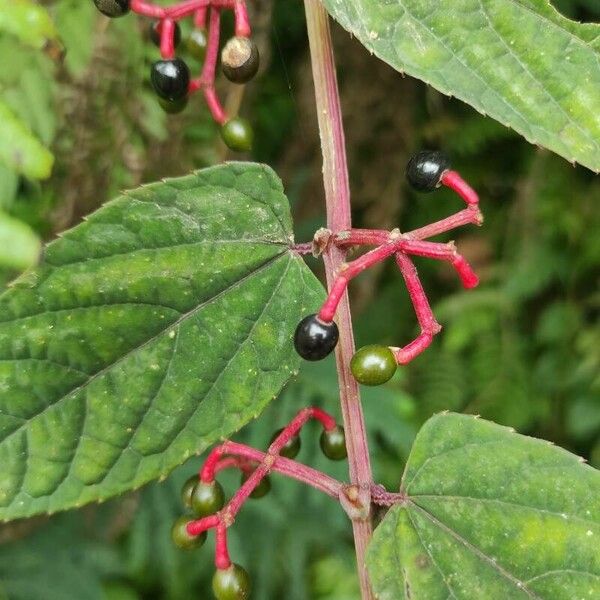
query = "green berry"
{"x": 186, "y": 491}
{"x": 373, "y": 365}
{"x": 292, "y": 447}
{"x": 231, "y": 584}
{"x": 207, "y": 498}
{"x": 182, "y": 539}
{"x": 333, "y": 443}
{"x": 173, "y": 107}
{"x": 196, "y": 43}
{"x": 112, "y": 8}
{"x": 262, "y": 489}
{"x": 239, "y": 59}
{"x": 237, "y": 134}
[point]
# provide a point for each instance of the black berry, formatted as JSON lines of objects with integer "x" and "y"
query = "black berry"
{"x": 237, "y": 134}
{"x": 425, "y": 169}
{"x": 333, "y": 443}
{"x": 231, "y": 584}
{"x": 182, "y": 539}
{"x": 262, "y": 489}
{"x": 170, "y": 79}
{"x": 207, "y": 498}
{"x": 314, "y": 339}
{"x": 173, "y": 107}
{"x": 240, "y": 59}
{"x": 155, "y": 32}
{"x": 291, "y": 448}
{"x": 112, "y": 8}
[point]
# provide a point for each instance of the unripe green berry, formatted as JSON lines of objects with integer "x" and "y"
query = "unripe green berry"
{"x": 333, "y": 443}
{"x": 231, "y": 584}
{"x": 182, "y": 539}
{"x": 373, "y": 365}
{"x": 186, "y": 491}
{"x": 237, "y": 134}
{"x": 196, "y": 43}
{"x": 262, "y": 489}
{"x": 291, "y": 448}
{"x": 207, "y": 498}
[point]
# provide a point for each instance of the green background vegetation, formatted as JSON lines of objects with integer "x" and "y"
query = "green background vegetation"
{"x": 522, "y": 349}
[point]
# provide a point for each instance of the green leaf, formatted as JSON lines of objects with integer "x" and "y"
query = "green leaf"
{"x": 519, "y": 61}
{"x": 489, "y": 514}
{"x": 20, "y": 149}
{"x": 154, "y": 329}
{"x": 28, "y": 21}
{"x": 19, "y": 246}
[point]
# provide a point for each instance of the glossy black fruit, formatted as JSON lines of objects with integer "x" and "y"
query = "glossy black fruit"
{"x": 207, "y": 498}
{"x": 240, "y": 59}
{"x": 231, "y": 584}
{"x": 196, "y": 43}
{"x": 262, "y": 489}
{"x": 333, "y": 443}
{"x": 292, "y": 447}
{"x": 425, "y": 169}
{"x": 314, "y": 339}
{"x": 170, "y": 79}
{"x": 237, "y": 134}
{"x": 373, "y": 365}
{"x": 112, "y": 8}
{"x": 155, "y": 31}
{"x": 182, "y": 539}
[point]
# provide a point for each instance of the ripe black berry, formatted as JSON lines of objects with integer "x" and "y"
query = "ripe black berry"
{"x": 291, "y": 448}
{"x": 207, "y": 498}
{"x": 240, "y": 59}
{"x": 314, "y": 339}
{"x": 231, "y": 584}
{"x": 333, "y": 443}
{"x": 155, "y": 32}
{"x": 173, "y": 107}
{"x": 182, "y": 539}
{"x": 262, "y": 489}
{"x": 425, "y": 169}
{"x": 112, "y": 8}
{"x": 170, "y": 79}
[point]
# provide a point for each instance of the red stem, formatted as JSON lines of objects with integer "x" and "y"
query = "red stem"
{"x": 242, "y": 23}
{"x": 455, "y": 182}
{"x": 222, "y": 560}
{"x": 167, "y": 38}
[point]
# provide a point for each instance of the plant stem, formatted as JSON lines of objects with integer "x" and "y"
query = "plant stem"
{"x": 337, "y": 197}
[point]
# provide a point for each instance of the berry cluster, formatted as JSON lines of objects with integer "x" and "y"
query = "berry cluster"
{"x": 170, "y": 76}
{"x": 317, "y": 335}
{"x": 204, "y": 499}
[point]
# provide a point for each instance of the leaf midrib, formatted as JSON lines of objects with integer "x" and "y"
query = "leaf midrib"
{"x": 175, "y": 323}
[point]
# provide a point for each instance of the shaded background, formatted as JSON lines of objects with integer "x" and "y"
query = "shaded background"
{"x": 523, "y": 349}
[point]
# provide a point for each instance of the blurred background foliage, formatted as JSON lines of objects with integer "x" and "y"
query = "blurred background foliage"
{"x": 522, "y": 349}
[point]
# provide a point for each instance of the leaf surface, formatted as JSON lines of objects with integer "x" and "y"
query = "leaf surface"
{"x": 519, "y": 61}
{"x": 19, "y": 245}
{"x": 28, "y": 21}
{"x": 157, "y": 327}
{"x": 489, "y": 514}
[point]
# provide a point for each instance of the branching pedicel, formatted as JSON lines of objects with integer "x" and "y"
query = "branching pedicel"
{"x": 171, "y": 77}
{"x": 316, "y": 335}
